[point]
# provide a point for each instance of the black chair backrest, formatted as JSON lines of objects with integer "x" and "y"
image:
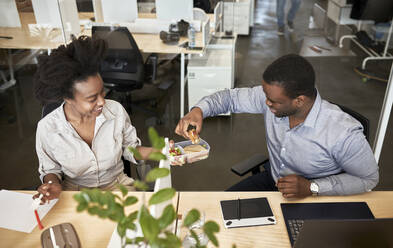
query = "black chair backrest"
{"x": 46, "y": 109}
{"x": 123, "y": 65}
{"x": 363, "y": 120}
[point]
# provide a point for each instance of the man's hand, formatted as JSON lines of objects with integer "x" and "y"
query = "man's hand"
{"x": 195, "y": 118}
{"x": 294, "y": 186}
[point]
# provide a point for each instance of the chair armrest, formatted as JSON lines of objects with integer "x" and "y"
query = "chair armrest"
{"x": 250, "y": 165}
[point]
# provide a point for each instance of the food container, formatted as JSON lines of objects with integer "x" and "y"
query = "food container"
{"x": 190, "y": 157}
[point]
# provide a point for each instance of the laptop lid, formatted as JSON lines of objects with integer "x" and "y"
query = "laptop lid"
{"x": 324, "y": 211}
{"x": 346, "y": 233}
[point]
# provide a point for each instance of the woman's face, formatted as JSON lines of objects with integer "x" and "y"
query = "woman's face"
{"x": 88, "y": 96}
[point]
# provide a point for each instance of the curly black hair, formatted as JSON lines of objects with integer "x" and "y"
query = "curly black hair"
{"x": 58, "y": 72}
{"x": 294, "y": 73}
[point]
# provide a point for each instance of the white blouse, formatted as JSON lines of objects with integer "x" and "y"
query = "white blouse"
{"x": 63, "y": 152}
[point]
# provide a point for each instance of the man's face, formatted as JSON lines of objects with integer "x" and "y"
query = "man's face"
{"x": 88, "y": 96}
{"x": 277, "y": 101}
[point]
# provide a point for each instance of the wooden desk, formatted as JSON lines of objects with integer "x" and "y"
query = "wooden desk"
{"x": 380, "y": 203}
{"x": 92, "y": 231}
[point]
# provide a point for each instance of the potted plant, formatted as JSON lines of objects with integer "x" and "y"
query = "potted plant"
{"x": 153, "y": 231}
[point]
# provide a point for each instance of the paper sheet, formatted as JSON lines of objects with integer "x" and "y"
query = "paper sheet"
{"x": 16, "y": 212}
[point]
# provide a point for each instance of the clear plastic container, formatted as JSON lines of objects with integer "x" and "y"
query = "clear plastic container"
{"x": 190, "y": 157}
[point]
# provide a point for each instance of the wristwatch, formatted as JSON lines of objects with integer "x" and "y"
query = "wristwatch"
{"x": 314, "y": 188}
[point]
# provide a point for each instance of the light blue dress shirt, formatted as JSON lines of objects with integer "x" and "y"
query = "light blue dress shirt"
{"x": 329, "y": 146}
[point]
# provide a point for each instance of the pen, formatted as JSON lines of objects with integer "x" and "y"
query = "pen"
{"x": 35, "y": 205}
{"x": 238, "y": 208}
{"x": 6, "y": 37}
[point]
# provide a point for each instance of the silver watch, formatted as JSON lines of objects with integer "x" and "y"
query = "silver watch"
{"x": 314, "y": 188}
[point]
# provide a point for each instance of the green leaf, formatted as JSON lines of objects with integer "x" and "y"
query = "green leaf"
{"x": 156, "y": 173}
{"x": 108, "y": 198}
{"x": 149, "y": 225}
{"x": 123, "y": 189}
{"x": 155, "y": 140}
{"x": 121, "y": 230}
{"x": 141, "y": 185}
{"x": 136, "y": 153}
{"x": 162, "y": 195}
{"x": 132, "y": 216}
{"x": 116, "y": 212}
{"x": 79, "y": 198}
{"x": 173, "y": 240}
{"x": 102, "y": 213}
{"x": 94, "y": 194}
{"x": 192, "y": 216}
{"x": 130, "y": 200}
{"x": 93, "y": 210}
{"x": 210, "y": 228}
{"x": 167, "y": 217}
{"x": 156, "y": 156}
{"x": 82, "y": 206}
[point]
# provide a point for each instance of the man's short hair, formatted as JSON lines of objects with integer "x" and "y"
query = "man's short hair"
{"x": 293, "y": 73}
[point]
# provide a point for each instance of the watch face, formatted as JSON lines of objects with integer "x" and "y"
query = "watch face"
{"x": 314, "y": 188}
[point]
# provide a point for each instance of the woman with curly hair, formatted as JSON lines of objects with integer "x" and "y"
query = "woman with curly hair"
{"x": 80, "y": 144}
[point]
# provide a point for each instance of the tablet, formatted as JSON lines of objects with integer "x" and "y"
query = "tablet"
{"x": 247, "y": 212}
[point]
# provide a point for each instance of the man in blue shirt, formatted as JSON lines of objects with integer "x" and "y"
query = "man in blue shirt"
{"x": 314, "y": 147}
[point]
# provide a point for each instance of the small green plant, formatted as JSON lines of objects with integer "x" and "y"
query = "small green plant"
{"x": 106, "y": 204}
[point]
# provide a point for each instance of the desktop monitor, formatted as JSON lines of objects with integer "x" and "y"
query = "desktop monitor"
{"x": 175, "y": 10}
{"x": 119, "y": 11}
{"x": 9, "y": 14}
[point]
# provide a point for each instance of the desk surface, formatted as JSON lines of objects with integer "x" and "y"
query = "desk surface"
{"x": 23, "y": 38}
{"x": 380, "y": 203}
{"x": 92, "y": 231}
{"x": 96, "y": 232}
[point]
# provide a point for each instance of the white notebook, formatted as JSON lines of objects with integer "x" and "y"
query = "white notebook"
{"x": 16, "y": 212}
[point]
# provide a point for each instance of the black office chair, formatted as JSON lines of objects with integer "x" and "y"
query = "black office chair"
{"x": 123, "y": 69}
{"x": 46, "y": 109}
{"x": 254, "y": 163}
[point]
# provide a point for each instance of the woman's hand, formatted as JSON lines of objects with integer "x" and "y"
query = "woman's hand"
{"x": 50, "y": 190}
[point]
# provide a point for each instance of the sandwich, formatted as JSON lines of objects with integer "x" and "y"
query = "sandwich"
{"x": 194, "y": 148}
{"x": 193, "y": 135}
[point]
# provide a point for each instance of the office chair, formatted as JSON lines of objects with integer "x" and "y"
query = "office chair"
{"x": 46, "y": 109}
{"x": 254, "y": 163}
{"x": 123, "y": 69}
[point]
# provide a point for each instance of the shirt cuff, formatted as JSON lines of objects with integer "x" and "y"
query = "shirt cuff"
{"x": 204, "y": 106}
{"x": 43, "y": 175}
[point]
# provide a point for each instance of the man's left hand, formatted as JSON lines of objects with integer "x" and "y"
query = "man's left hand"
{"x": 294, "y": 186}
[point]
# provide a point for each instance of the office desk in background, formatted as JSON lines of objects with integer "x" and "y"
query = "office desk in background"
{"x": 380, "y": 203}
{"x": 147, "y": 43}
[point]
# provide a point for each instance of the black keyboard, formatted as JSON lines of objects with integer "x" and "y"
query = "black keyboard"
{"x": 294, "y": 227}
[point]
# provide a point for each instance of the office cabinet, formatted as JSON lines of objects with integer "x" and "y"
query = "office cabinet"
{"x": 208, "y": 74}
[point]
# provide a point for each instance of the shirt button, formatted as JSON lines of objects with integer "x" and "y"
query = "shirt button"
{"x": 282, "y": 165}
{"x": 283, "y": 149}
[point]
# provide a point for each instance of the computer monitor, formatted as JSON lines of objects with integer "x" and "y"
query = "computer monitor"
{"x": 175, "y": 10}
{"x": 9, "y": 14}
{"x": 119, "y": 11}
